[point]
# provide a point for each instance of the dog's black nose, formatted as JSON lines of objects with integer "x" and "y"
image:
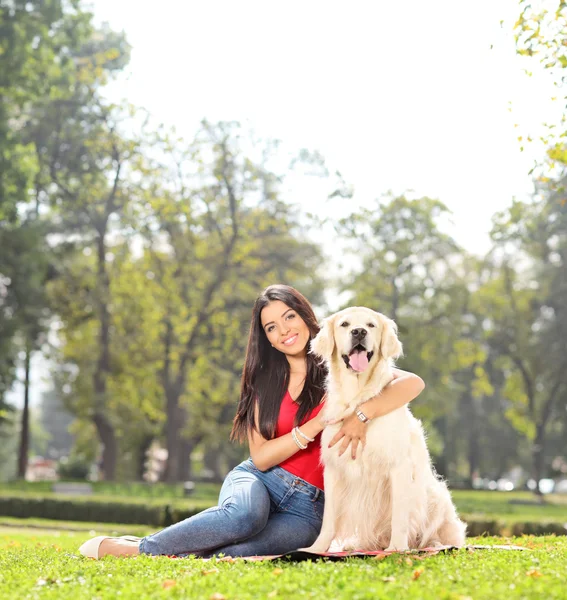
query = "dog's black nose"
{"x": 359, "y": 334}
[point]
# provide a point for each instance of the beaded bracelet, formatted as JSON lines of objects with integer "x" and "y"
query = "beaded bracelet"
{"x": 296, "y": 440}
{"x": 303, "y": 435}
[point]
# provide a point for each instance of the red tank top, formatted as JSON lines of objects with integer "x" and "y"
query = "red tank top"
{"x": 304, "y": 463}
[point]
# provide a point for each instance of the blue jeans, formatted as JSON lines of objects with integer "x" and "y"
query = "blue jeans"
{"x": 269, "y": 512}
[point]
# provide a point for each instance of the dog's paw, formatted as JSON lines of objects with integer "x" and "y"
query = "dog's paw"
{"x": 314, "y": 549}
{"x": 393, "y": 548}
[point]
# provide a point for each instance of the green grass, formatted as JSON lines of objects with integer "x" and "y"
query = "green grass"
{"x": 510, "y": 506}
{"x": 46, "y": 564}
{"x": 8, "y": 524}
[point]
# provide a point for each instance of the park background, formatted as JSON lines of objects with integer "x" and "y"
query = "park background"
{"x": 160, "y": 167}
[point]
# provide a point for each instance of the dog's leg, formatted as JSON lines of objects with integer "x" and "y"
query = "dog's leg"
{"x": 401, "y": 490}
{"x": 328, "y": 528}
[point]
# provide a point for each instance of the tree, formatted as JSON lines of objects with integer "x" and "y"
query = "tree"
{"x": 36, "y": 39}
{"x": 529, "y": 319}
{"x": 215, "y": 231}
{"x": 413, "y": 272}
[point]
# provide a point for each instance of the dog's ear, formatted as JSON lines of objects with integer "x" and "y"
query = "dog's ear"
{"x": 390, "y": 345}
{"x": 323, "y": 344}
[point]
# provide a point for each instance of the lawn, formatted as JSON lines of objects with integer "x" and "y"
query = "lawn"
{"x": 46, "y": 564}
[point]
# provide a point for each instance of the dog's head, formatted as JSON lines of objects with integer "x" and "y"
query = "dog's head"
{"x": 359, "y": 336}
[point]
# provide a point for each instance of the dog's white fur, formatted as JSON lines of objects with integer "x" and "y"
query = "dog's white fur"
{"x": 389, "y": 497}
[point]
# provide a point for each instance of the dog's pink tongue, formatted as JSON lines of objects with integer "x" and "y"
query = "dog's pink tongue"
{"x": 358, "y": 361}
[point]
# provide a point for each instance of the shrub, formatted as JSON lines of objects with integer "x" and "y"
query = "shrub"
{"x": 75, "y": 467}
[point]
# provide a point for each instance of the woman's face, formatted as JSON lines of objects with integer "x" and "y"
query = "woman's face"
{"x": 284, "y": 328}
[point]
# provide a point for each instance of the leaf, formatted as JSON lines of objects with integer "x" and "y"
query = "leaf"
{"x": 417, "y": 573}
{"x": 168, "y": 583}
{"x": 209, "y": 572}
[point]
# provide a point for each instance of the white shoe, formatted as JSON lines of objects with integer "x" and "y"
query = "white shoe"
{"x": 90, "y": 547}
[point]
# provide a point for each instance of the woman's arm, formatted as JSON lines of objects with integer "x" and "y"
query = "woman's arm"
{"x": 268, "y": 453}
{"x": 403, "y": 388}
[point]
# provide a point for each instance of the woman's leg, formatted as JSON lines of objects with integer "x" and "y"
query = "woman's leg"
{"x": 243, "y": 510}
{"x": 283, "y": 533}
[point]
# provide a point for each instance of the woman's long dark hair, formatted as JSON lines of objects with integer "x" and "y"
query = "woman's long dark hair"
{"x": 265, "y": 376}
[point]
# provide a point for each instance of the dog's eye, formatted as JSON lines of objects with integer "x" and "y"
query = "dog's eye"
{"x": 344, "y": 324}
{"x": 371, "y": 325}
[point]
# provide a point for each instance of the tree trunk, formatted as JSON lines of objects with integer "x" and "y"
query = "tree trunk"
{"x": 473, "y": 453}
{"x": 172, "y": 438}
{"x": 103, "y": 425}
{"x": 184, "y": 469}
{"x": 107, "y": 436}
{"x": 142, "y": 451}
{"x": 25, "y": 429}
{"x": 442, "y": 462}
{"x": 538, "y": 457}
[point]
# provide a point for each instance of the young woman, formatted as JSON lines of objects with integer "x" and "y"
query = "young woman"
{"x": 273, "y": 502}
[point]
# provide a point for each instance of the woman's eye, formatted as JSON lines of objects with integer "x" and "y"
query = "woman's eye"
{"x": 292, "y": 316}
{"x": 344, "y": 324}
{"x": 270, "y": 328}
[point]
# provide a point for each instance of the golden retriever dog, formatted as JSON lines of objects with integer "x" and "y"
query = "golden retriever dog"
{"x": 389, "y": 497}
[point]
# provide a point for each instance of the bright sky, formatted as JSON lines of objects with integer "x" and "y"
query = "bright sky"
{"x": 398, "y": 96}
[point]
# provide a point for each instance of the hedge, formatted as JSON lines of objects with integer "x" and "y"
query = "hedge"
{"x": 93, "y": 511}
{"x": 161, "y": 515}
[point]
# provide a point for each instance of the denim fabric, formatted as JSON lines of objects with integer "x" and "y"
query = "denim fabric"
{"x": 259, "y": 512}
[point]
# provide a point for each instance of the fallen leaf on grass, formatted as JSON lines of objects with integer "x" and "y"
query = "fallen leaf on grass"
{"x": 388, "y": 579}
{"x": 379, "y": 557}
{"x": 409, "y": 561}
{"x": 168, "y": 583}
{"x": 534, "y": 573}
{"x": 417, "y": 573}
{"x": 217, "y": 596}
{"x": 209, "y": 572}
{"x": 277, "y": 571}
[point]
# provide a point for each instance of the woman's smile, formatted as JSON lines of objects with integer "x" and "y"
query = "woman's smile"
{"x": 290, "y": 340}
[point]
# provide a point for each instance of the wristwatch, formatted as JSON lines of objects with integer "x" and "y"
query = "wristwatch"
{"x": 361, "y": 416}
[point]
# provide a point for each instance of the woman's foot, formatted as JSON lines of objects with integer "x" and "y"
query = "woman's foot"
{"x": 110, "y": 546}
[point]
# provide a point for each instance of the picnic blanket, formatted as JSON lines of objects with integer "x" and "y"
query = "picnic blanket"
{"x": 300, "y": 555}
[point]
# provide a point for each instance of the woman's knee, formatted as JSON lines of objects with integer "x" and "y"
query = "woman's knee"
{"x": 248, "y": 510}
{"x": 246, "y": 520}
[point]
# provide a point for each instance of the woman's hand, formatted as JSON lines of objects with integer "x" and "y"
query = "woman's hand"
{"x": 353, "y": 432}
{"x": 403, "y": 388}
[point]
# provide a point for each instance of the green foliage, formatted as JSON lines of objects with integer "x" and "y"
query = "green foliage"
{"x": 528, "y": 321}
{"x": 75, "y": 467}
